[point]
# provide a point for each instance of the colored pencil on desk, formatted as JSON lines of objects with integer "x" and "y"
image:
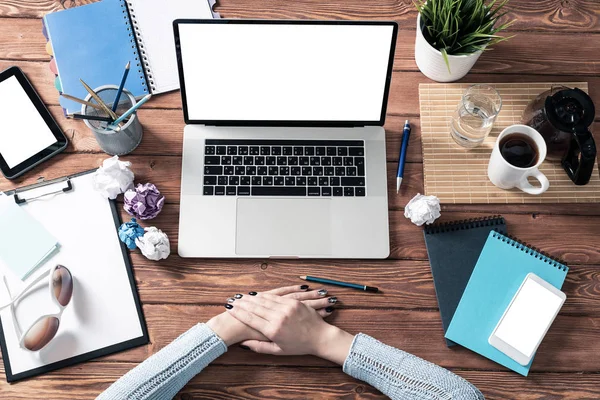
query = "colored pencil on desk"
{"x": 130, "y": 111}
{"x": 121, "y": 86}
{"x": 340, "y": 283}
{"x": 90, "y": 117}
{"x": 80, "y": 101}
{"x": 99, "y": 100}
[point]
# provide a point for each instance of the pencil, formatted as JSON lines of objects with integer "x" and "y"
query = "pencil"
{"x": 130, "y": 111}
{"x": 340, "y": 283}
{"x": 99, "y": 100}
{"x": 121, "y": 86}
{"x": 90, "y": 117}
{"x": 80, "y": 101}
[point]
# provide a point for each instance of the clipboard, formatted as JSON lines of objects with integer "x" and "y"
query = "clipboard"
{"x": 80, "y": 323}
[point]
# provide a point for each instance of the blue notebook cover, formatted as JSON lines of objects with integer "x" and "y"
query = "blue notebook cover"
{"x": 502, "y": 266}
{"x": 94, "y": 42}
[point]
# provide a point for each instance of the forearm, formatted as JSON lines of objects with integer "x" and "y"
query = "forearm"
{"x": 401, "y": 375}
{"x": 163, "y": 374}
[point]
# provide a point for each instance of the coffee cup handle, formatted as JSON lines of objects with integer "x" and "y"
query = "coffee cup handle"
{"x": 527, "y": 187}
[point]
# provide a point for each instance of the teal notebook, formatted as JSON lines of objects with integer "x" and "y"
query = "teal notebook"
{"x": 24, "y": 242}
{"x": 502, "y": 266}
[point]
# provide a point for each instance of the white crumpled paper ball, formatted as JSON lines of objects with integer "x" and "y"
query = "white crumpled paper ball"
{"x": 422, "y": 209}
{"x": 154, "y": 244}
{"x": 113, "y": 177}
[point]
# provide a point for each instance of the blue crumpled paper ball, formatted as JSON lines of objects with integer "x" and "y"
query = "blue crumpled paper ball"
{"x": 130, "y": 231}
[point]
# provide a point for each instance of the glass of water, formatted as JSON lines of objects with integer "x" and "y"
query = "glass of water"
{"x": 475, "y": 115}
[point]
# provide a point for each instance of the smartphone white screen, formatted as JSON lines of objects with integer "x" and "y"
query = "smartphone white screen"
{"x": 529, "y": 315}
{"x": 24, "y": 132}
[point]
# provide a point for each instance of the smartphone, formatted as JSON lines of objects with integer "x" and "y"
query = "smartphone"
{"x": 527, "y": 319}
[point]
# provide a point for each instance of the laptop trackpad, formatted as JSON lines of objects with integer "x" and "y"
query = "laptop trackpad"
{"x": 283, "y": 227}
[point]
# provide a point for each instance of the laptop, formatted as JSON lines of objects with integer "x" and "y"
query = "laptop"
{"x": 284, "y": 147}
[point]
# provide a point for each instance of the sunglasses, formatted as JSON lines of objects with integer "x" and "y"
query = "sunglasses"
{"x": 43, "y": 329}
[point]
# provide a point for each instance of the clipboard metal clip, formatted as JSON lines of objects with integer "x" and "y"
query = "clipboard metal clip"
{"x": 42, "y": 183}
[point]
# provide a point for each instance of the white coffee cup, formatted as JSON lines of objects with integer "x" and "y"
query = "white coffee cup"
{"x": 507, "y": 176}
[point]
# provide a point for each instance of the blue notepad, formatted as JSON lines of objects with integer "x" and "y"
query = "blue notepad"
{"x": 502, "y": 266}
{"x": 94, "y": 42}
{"x": 24, "y": 242}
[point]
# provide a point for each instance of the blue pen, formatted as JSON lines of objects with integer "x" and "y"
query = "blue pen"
{"x": 121, "y": 86}
{"x": 402, "y": 160}
{"x": 129, "y": 112}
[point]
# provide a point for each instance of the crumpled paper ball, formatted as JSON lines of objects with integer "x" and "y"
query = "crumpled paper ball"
{"x": 130, "y": 231}
{"x": 145, "y": 202}
{"x": 422, "y": 209}
{"x": 154, "y": 245}
{"x": 113, "y": 177}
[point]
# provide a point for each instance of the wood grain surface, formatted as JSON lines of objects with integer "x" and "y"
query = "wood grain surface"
{"x": 556, "y": 40}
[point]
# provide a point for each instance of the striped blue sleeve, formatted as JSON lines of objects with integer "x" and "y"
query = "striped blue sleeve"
{"x": 165, "y": 373}
{"x": 401, "y": 375}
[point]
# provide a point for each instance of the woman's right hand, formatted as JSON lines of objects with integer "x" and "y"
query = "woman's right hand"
{"x": 292, "y": 327}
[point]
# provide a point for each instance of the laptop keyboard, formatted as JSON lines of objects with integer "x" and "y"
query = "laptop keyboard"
{"x": 325, "y": 168}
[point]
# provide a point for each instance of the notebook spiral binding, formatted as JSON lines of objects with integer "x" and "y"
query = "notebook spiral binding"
{"x": 464, "y": 224}
{"x": 137, "y": 44}
{"x": 533, "y": 251}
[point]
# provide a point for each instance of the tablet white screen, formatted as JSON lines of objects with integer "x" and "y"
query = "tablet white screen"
{"x": 281, "y": 72}
{"x": 528, "y": 317}
{"x": 23, "y": 132}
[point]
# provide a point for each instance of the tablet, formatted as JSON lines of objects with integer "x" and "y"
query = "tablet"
{"x": 28, "y": 133}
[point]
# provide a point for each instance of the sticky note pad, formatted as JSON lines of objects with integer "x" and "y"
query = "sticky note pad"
{"x": 24, "y": 242}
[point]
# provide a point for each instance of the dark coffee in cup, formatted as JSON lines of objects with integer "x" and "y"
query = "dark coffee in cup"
{"x": 519, "y": 150}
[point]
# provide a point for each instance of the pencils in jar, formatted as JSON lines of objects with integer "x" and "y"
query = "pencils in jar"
{"x": 90, "y": 117}
{"x": 340, "y": 283}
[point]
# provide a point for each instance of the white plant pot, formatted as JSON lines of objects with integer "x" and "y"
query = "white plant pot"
{"x": 431, "y": 62}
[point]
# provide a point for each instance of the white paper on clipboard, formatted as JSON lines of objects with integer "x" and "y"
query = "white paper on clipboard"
{"x": 103, "y": 311}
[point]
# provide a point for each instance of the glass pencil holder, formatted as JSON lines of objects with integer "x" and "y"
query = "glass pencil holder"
{"x": 111, "y": 141}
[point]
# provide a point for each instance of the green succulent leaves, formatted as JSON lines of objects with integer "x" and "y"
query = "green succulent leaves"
{"x": 461, "y": 27}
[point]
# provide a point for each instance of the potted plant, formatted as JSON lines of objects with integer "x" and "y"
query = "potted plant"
{"x": 452, "y": 34}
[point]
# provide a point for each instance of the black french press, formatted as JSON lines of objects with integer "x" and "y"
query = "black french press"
{"x": 563, "y": 117}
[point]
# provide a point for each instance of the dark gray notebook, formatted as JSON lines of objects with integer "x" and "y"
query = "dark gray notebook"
{"x": 453, "y": 249}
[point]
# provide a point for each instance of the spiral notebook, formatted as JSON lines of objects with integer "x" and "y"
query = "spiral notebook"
{"x": 94, "y": 42}
{"x": 453, "y": 249}
{"x": 502, "y": 266}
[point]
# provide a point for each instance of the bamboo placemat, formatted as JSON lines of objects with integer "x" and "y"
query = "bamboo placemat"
{"x": 458, "y": 175}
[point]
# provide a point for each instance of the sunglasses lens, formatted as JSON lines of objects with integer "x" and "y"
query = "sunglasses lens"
{"x": 41, "y": 333}
{"x": 62, "y": 285}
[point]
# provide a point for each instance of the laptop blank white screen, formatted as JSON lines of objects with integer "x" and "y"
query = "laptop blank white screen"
{"x": 285, "y": 72}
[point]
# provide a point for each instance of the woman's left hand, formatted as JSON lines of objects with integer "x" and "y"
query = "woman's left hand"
{"x": 233, "y": 331}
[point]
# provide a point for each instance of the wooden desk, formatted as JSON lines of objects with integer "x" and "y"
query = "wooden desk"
{"x": 556, "y": 41}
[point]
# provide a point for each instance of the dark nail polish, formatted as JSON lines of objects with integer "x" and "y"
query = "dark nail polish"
{"x": 252, "y": 293}
{"x": 304, "y": 287}
{"x": 332, "y": 300}
{"x": 230, "y": 300}
{"x": 228, "y": 306}
{"x": 244, "y": 347}
{"x": 322, "y": 292}
{"x": 238, "y": 296}
{"x": 329, "y": 309}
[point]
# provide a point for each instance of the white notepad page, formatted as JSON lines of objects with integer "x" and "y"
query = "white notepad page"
{"x": 102, "y": 311}
{"x": 154, "y": 19}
